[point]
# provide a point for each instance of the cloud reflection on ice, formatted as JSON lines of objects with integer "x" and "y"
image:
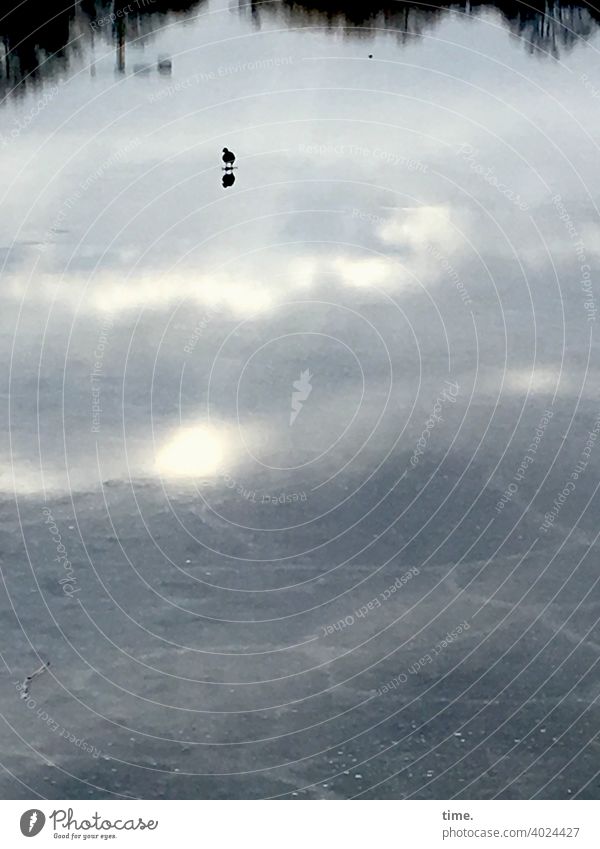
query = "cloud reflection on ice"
{"x": 198, "y": 451}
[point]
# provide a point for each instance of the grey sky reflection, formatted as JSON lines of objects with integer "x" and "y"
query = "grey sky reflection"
{"x": 395, "y": 231}
{"x": 382, "y": 215}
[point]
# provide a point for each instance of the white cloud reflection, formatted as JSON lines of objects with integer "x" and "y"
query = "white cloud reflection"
{"x": 198, "y": 451}
{"x": 420, "y": 226}
{"x": 115, "y": 294}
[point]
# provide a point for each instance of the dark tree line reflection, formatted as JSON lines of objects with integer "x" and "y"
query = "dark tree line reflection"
{"x": 551, "y": 27}
{"x": 547, "y": 27}
{"x": 41, "y": 39}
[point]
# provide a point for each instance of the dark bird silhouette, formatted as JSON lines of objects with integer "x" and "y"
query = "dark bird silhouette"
{"x": 228, "y": 158}
{"x": 228, "y": 179}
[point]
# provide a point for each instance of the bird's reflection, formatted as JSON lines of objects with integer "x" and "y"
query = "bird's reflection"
{"x": 228, "y": 179}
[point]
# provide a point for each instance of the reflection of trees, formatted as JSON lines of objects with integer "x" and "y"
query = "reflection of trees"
{"x": 30, "y": 34}
{"x": 548, "y": 26}
{"x": 41, "y": 36}
{"x": 358, "y": 19}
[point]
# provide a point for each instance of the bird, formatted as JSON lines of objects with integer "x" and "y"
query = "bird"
{"x": 228, "y": 158}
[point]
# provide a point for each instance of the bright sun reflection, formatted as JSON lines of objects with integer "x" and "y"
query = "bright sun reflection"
{"x": 194, "y": 452}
